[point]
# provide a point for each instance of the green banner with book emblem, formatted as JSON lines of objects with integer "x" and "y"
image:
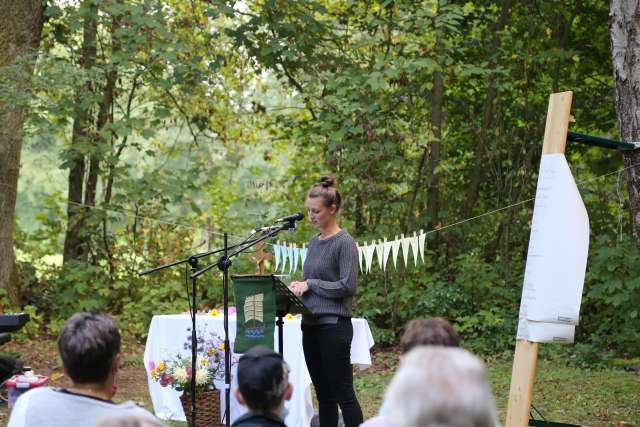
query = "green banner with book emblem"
{"x": 255, "y": 312}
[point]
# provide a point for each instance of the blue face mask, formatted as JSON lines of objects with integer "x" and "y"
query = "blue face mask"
{"x": 285, "y": 413}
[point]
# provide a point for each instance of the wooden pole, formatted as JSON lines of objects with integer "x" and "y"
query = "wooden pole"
{"x": 523, "y": 374}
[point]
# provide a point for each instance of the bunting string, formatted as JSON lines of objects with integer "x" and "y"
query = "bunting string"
{"x": 290, "y": 257}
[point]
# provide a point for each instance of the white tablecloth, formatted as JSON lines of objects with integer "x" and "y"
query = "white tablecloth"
{"x": 168, "y": 333}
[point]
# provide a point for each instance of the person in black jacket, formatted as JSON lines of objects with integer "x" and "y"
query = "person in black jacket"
{"x": 263, "y": 387}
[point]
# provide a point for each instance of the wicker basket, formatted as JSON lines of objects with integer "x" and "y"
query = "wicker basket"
{"x": 207, "y": 408}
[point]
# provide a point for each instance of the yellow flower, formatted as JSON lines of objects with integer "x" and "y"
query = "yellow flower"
{"x": 161, "y": 366}
{"x": 211, "y": 351}
{"x": 214, "y": 312}
{"x": 289, "y": 316}
{"x": 154, "y": 373}
{"x": 221, "y": 346}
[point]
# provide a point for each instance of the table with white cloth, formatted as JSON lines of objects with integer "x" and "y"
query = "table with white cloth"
{"x": 168, "y": 333}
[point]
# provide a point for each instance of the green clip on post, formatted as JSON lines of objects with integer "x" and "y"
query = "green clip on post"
{"x": 539, "y": 423}
{"x": 600, "y": 142}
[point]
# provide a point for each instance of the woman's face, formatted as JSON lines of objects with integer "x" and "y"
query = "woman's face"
{"x": 320, "y": 215}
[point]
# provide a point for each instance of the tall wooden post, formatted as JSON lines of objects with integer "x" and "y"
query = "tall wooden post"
{"x": 524, "y": 362}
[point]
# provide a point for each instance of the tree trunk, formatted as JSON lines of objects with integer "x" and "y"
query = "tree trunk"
{"x": 20, "y": 29}
{"x": 437, "y": 100}
{"x": 487, "y": 115}
{"x": 625, "y": 47}
{"x": 75, "y": 244}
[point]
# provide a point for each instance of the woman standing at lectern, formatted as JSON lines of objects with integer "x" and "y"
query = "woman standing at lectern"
{"x": 329, "y": 286}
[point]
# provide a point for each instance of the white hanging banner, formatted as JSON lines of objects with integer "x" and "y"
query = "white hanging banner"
{"x": 386, "y": 249}
{"x": 545, "y": 332}
{"x": 395, "y": 246}
{"x": 422, "y": 238}
{"x": 557, "y": 256}
{"x": 360, "y": 256}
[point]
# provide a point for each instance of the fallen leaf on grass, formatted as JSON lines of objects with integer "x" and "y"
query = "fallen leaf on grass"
{"x": 56, "y": 376}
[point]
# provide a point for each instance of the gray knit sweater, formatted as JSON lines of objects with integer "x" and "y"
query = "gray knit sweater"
{"x": 330, "y": 270}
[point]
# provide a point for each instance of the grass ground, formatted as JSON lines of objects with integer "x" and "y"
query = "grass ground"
{"x": 589, "y": 397}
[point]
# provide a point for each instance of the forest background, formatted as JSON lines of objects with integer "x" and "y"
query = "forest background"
{"x": 152, "y": 127}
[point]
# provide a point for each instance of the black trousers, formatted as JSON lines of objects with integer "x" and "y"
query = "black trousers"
{"x": 327, "y": 351}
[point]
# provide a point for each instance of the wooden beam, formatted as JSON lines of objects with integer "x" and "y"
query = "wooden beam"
{"x": 523, "y": 375}
{"x": 555, "y": 132}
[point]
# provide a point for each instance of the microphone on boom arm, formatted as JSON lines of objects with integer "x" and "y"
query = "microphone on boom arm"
{"x": 289, "y": 219}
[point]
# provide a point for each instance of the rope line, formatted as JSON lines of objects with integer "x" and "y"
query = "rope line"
{"x": 618, "y": 171}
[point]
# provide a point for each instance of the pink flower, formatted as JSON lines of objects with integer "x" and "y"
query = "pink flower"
{"x": 232, "y": 310}
{"x": 165, "y": 380}
{"x": 152, "y": 365}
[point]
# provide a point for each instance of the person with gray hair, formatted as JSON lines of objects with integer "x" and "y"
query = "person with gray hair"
{"x": 439, "y": 386}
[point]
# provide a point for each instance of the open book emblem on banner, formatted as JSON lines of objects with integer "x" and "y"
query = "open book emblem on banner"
{"x": 254, "y": 316}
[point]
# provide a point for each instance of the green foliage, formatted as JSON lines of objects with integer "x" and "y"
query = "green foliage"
{"x": 612, "y": 296}
{"x": 224, "y": 114}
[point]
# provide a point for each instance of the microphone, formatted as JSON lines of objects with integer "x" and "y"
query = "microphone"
{"x": 263, "y": 229}
{"x": 290, "y": 218}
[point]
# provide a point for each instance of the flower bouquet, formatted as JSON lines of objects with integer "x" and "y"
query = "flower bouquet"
{"x": 176, "y": 372}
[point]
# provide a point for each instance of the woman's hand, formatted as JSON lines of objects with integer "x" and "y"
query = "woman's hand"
{"x": 298, "y": 288}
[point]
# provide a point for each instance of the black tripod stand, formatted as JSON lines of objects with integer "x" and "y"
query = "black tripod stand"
{"x": 223, "y": 263}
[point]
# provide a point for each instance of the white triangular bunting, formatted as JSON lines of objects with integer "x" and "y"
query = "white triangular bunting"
{"x": 290, "y": 256}
{"x": 296, "y": 257}
{"x": 406, "y": 243}
{"x": 285, "y": 256}
{"x": 360, "y": 256}
{"x": 395, "y": 246}
{"x": 276, "y": 255}
{"x": 368, "y": 255}
{"x": 387, "y": 250}
{"x": 303, "y": 256}
{"x": 414, "y": 248}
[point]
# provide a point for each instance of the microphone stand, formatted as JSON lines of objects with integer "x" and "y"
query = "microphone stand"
{"x": 223, "y": 264}
{"x": 193, "y": 262}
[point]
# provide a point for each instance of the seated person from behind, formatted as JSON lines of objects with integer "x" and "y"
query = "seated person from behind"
{"x": 434, "y": 331}
{"x": 89, "y": 346}
{"x": 263, "y": 387}
{"x": 438, "y": 386}
{"x": 421, "y": 332}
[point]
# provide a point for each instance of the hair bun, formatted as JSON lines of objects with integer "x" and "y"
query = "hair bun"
{"x": 328, "y": 181}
